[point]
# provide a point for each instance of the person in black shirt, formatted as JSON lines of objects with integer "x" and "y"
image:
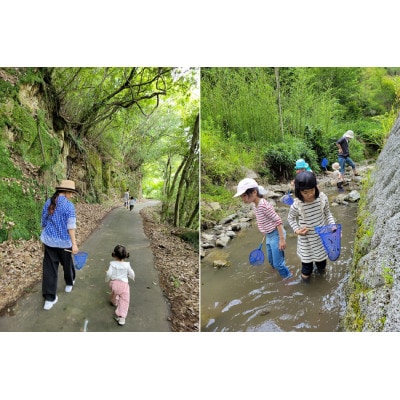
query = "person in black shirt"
{"x": 344, "y": 154}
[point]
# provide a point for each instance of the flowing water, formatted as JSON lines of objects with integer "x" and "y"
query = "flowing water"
{"x": 245, "y": 298}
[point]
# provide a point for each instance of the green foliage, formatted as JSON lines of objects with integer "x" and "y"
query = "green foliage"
{"x": 387, "y": 273}
{"x": 7, "y": 168}
{"x": 378, "y": 90}
{"x": 280, "y": 158}
{"x": 20, "y": 212}
{"x": 190, "y": 236}
{"x": 214, "y": 192}
{"x": 223, "y": 159}
{"x": 7, "y": 90}
{"x": 241, "y": 102}
{"x": 109, "y": 121}
{"x": 34, "y": 142}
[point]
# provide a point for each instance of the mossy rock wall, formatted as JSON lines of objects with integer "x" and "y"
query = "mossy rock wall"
{"x": 373, "y": 289}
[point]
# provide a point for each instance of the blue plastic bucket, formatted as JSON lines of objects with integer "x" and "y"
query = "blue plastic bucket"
{"x": 80, "y": 259}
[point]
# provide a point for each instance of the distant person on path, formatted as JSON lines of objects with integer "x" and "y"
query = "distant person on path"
{"x": 117, "y": 274}
{"x": 58, "y": 237}
{"x": 344, "y": 153}
{"x": 269, "y": 223}
{"x": 310, "y": 209}
{"x": 126, "y": 199}
{"x": 132, "y": 202}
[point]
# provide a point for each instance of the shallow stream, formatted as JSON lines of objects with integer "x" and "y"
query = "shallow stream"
{"x": 245, "y": 298}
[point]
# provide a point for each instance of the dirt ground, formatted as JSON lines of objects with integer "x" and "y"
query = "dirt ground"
{"x": 176, "y": 262}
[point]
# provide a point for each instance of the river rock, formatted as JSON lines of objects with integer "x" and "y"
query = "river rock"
{"x": 222, "y": 241}
{"x": 228, "y": 219}
{"x": 221, "y": 264}
{"x": 341, "y": 198}
{"x": 236, "y": 227}
{"x": 207, "y": 237}
{"x": 207, "y": 245}
{"x": 353, "y": 196}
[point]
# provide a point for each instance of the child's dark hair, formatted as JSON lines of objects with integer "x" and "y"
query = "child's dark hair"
{"x": 120, "y": 252}
{"x": 304, "y": 181}
{"x": 251, "y": 190}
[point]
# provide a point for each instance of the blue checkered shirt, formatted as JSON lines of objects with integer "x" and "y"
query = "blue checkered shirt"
{"x": 55, "y": 227}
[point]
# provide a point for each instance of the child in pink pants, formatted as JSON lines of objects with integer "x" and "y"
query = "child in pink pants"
{"x": 117, "y": 274}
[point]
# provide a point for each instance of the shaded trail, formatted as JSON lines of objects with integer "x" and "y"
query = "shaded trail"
{"x": 87, "y": 307}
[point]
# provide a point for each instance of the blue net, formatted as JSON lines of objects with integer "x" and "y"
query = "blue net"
{"x": 256, "y": 257}
{"x": 331, "y": 239}
{"x": 287, "y": 199}
{"x": 80, "y": 259}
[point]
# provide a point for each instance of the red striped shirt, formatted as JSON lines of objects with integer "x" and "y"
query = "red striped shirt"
{"x": 267, "y": 218}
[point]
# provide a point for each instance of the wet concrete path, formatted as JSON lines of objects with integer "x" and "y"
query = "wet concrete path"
{"x": 87, "y": 307}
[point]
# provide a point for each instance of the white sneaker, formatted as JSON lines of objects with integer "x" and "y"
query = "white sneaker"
{"x": 49, "y": 304}
{"x": 120, "y": 320}
{"x": 68, "y": 288}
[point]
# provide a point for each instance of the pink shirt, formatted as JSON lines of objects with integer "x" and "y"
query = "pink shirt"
{"x": 267, "y": 218}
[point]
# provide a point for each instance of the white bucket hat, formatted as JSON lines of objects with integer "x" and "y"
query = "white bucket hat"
{"x": 248, "y": 183}
{"x": 336, "y": 166}
{"x": 349, "y": 134}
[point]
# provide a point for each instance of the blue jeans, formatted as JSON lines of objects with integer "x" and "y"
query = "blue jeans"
{"x": 276, "y": 257}
{"x": 343, "y": 161}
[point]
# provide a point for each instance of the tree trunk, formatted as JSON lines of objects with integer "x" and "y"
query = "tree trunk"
{"x": 187, "y": 164}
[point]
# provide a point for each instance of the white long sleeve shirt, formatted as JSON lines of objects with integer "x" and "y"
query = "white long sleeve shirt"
{"x": 120, "y": 270}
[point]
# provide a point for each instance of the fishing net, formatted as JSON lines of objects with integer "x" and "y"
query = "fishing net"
{"x": 256, "y": 257}
{"x": 331, "y": 239}
{"x": 80, "y": 259}
{"x": 287, "y": 199}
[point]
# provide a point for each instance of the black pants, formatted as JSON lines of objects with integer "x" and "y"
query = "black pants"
{"x": 53, "y": 256}
{"x": 307, "y": 268}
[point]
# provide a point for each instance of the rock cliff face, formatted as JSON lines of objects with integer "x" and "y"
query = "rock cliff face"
{"x": 373, "y": 289}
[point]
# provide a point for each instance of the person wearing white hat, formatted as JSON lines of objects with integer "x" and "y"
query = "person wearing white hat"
{"x": 344, "y": 153}
{"x": 336, "y": 175}
{"x": 269, "y": 223}
{"x": 58, "y": 238}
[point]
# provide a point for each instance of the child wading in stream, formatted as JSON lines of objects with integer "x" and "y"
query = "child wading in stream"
{"x": 269, "y": 223}
{"x": 117, "y": 274}
{"x": 310, "y": 209}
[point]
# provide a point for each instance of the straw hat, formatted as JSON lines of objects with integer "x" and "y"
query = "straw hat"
{"x": 67, "y": 186}
{"x": 336, "y": 166}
